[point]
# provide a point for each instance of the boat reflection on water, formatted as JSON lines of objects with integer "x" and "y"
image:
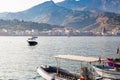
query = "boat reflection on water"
{"x": 32, "y": 41}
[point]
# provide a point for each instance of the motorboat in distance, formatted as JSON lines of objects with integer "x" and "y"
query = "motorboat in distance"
{"x": 32, "y": 41}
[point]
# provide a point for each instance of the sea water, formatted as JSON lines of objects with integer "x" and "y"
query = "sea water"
{"x": 19, "y": 61}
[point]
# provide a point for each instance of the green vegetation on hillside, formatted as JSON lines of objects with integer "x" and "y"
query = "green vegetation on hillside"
{"x": 23, "y": 25}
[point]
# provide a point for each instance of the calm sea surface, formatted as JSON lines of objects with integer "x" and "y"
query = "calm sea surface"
{"x": 18, "y": 61}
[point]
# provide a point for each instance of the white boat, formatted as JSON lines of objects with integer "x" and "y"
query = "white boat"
{"x": 111, "y": 70}
{"x": 50, "y": 73}
{"x": 56, "y": 73}
{"x": 107, "y": 71}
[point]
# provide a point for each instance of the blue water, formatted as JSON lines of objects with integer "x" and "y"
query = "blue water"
{"x": 19, "y": 61}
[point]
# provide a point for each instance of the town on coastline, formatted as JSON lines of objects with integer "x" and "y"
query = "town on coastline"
{"x": 67, "y": 31}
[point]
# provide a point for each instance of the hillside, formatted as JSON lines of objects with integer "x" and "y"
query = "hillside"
{"x": 97, "y": 5}
{"x": 47, "y": 12}
{"x": 80, "y": 14}
{"x": 24, "y": 25}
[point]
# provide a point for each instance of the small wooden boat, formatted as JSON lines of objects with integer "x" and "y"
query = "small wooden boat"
{"x": 32, "y": 41}
{"x": 107, "y": 71}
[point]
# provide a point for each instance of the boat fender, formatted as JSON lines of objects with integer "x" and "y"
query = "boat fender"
{"x": 116, "y": 69}
{"x": 82, "y": 78}
{"x": 53, "y": 78}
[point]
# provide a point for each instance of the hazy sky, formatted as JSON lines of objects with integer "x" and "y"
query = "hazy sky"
{"x": 19, "y": 5}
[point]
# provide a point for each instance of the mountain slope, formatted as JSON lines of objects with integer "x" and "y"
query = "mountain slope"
{"x": 103, "y": 5}
{"x": 47, "y": 12}
{"x": 80, "y": 14}
{"x": 50, "y": 13}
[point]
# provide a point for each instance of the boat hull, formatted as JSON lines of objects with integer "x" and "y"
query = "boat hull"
{"x": 50, "y": 73}
{"x": 107, "y": 72}
{"x": 32, "y": 43}
{"x": 44, "y": 74}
